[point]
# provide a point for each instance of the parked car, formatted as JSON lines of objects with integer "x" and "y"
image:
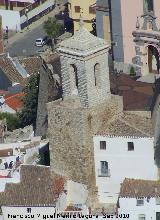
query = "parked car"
{"x": 42, "y": 41}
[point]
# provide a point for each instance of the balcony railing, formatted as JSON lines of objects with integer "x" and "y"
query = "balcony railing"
{"x": 104, "y": 172}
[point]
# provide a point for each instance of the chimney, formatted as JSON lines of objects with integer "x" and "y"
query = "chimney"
{"x": 1, "y": 37}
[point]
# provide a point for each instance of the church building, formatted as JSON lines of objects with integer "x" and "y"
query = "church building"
{"x": 86, "y": 108}
{"x": 134, "y": 33}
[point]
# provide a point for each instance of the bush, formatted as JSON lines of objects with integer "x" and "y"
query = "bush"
{"x": 132, "y": 71}
{"x": 11, "y": 119}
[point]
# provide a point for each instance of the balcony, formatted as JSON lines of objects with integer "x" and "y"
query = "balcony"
{"x": 104, "y": 173}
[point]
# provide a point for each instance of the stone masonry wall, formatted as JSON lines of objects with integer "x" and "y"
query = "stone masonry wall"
{"x": 71, "y": 129}
{"x": 41, "y": 122}
{"x": 48, "y": 91}
{"x": 89, "y": 94}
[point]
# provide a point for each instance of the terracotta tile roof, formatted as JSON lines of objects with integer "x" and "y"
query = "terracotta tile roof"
{"x": 137, "y": 188}
{"x": 14, "y": 101}
{"x": 136, "y": 95}
{"x": 31, "y": 65}
{"x": 128, "y": 124}
{"x": 4, "y": 152}
{"x": 10, "y": 70}
{"x": 37, "y": 187}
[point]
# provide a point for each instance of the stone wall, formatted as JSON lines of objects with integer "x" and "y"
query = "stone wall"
{"x": 71, "y": 129}
{"x": 48, "y": 91}
{"x": 89, "y": 93}
{"x": 41, "y": 122}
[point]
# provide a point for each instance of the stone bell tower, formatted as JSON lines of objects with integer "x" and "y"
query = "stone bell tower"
{"x": 84, "y": 61}
{"x": 86, "y": 105}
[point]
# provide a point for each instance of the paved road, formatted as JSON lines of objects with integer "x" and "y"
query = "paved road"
{"x": 25, "y": 46}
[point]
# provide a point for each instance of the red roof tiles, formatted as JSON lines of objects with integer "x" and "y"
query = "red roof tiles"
{"x": 137, "y": 188}
{"x": 14, "y": 101}
{"x": 136, "y": 95}
{"x": 37, "y": 187}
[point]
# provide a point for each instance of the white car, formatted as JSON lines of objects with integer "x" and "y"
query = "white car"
{"x": 41, "y": 41}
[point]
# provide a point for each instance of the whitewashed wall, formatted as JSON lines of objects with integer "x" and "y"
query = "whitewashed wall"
{"x": 128, "y": 205}
{"x": 10, "y": 19}
{"x": 30, "y": 152}
{"x": 6, "y": 108}
{"x": 77, "y": 193}
{"x": 37, "y": 10}
{"x": 123, "y": 163}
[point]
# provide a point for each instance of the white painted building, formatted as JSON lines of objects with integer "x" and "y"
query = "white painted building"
{"x": 140, "y": 199}
{"x": 118, "y": 156}
{"x": 18, "y": 17}
{"x": 60, "y": 196}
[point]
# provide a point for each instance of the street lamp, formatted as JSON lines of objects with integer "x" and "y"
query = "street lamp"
{"x": 26, "y": 14}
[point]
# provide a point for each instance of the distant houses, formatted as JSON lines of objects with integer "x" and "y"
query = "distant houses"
{"x": 17, "y": 70}
{"x": 16, "y": 15}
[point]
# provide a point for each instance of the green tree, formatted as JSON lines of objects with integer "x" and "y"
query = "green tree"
{"x": 132, "y": 71}
{"x": 53, "y": 28}
{"x": 11, "y": 119}
{"x": 28, "y": 114}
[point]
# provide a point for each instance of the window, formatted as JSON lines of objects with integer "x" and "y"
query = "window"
{"x": 158, "y": 201}
{"x": 148, "y": 5}
{"x": 73, "y": 77}
{"x": 20, "y": 4}
{"x": 157, "y": 215}
{"x": 77, "y": 9}
{"x": 141, "y": 217}
{"x": 2, "y": 2}
{"x": 149, "y": 25}
{"x": 130, "y": 146}
{"x": 104, "y": 171}
{"x": 104, "y": 167}
{"x": 102, "y": 145}
{"x": 97, "y": 74}
{"x": 140, "y": 202}
{"x": 92, "y": 10}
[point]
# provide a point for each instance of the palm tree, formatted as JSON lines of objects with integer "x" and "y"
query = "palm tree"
{"x": 53, "y": 29}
